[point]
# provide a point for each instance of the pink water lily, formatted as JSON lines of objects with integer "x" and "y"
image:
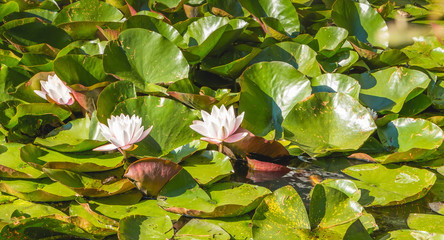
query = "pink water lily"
{"x": 220, "y": 126}
{"x": 122, "y": 131}
{"x": 55, "y": 90}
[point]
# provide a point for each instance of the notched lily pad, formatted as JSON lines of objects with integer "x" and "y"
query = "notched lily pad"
{"x": 12, "y": 166}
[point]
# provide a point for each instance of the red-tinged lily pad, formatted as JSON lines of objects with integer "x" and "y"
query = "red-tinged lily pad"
{"x": 151, "y": 174}
{"x": 257, "y": 145}
{"x": 183, "y": 195}
{"x": 196, "y": 101}
{"x": 266, "y": 166}
{"x": 87, "y": 186}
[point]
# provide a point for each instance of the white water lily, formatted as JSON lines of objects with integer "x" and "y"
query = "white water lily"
{"x": 55, "y": 90}
{"x": 220, "y": 126}
{"x": 122, "y": 131}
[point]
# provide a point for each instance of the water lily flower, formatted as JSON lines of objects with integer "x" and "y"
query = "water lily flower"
{"x": 122, "y": 131}
{"x": 220, "y": 126}
{"x": 373, "y": 113}
{"x": 55, "y": 90}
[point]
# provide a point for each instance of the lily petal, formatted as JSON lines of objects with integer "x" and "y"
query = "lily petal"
{"x": 107, "y": 147}
{"x": 239, "y": 135}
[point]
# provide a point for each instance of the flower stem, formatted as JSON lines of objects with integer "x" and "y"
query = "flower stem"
{"x": 221, "y": 147}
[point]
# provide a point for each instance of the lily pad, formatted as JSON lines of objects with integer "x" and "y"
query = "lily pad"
{"x": 269, "y": 91}
{"x": 135, "y": 57}
{"x": 81, "y": 162}
{"x": 327, "y": 122}
{"x": 76, "y": 136}
{"x": 405, "y": 134}
{"x": 43, "y": 190}
{"x": 197, "y": 229}
{"x": 184, "y": 196}
{"x": 388, "y": 89}
{"x": 362, "y": 21}
{"x": 26, "y": 209}
{"x": 208, "y": 167}
{"x": 426, "y": 222}
{"x": 281, "y": 215}
{"x": 336, "y": 82}
{"x": 12, "y": 166}
{"x": 411, "y": 235}
{"x": 80, "y": 69}
{"x": 300, "y": 56}
{"x": 85, "y": 185}
{"x": 238, "y": 227}
{"x": 151, "y": 174}
{"x": 145, "y": 227}
{"x": 401, "y": 184}
{"x": 111, "y": 96}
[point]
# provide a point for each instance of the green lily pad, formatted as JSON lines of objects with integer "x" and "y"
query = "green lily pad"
{"x": 57, "y": 226}
{"x": 238, "y": 227}
{"x": 135, "y": 57}
{"x": 300, "y": 56}
{"x": 111, "y": 96}
{"x": 126, "y": 204}
{"x": 85, "y": 185}
{"x": 156, "y": 25}
{"x": 281, "y": 215}
{"x": 405, "y": 234}
{"x": 388, "y": 89}
{"x": 83, "y": 210}
{"x": 405, "y": 134}
{"x": 145, "y": 227}
{"x": 12, "y": 166}
{"x": 8, "y": 8}
{"x": 26, "y": 209}
{"x": 330, "y": 39}
{"x": 184, "y": 196}
{"x": 401, "y": 184}
{"x": 25, "y": 91}
{"x": 168, "y": 132}
{"x": 43, "y": 190}
{"x": 361, "y": 20}
{"x": 208, "y": 167}
{"x": 327, "y": 122}
{"x": 36, "y": 109}
{"x": 336, "y": 82}
{"x": 80, "y": 18}
{"x": 197, "y": 229}
{"x": 76, "y": 136}
{"x": 426, "y": 222}
{"x": 80, "y": 69}
{"x": 269, "y": 90}
{"x": 202, "y": 36}
{"x": 81, "y": 162}
{"x": 281, "y": 10}
{"x": 186, "y": 150}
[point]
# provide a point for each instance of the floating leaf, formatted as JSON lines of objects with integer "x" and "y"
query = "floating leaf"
{"x": 208, "y": 167}
{"x": 81, "y": 162}
{"x": 327, "y": 122}
{"x": 426, "y": 222}
{"x": 388, "y": 89}
{"x": 401, "y": 184}
{"x": 269, "y": 91}
{"x": 111, "y": 96}
{"x": 12, "y": 166}
{"x": 330, "y": 39}
{"x": 335, "y": 82}
{"x": 135, "y": 57}
{"x": 197, "y": 229}
{"x": 184, "y": 196}
{"x": 80, "y": 69}
{"x": 362, "y": 21}
{"x": 85, "y": 185}
{"x": 300, "y": 56}
{"x": 151, "y": 174}
{"x": 238, "y": 227}
{"x": 409, "y": 133}
{"x": 145, "y": 227}
{"x": 43, "y": 190}
{"x": 411, "y": 235}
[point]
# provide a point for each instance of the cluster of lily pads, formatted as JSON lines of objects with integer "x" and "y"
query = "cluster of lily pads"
{"x": 172, "y": 93}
